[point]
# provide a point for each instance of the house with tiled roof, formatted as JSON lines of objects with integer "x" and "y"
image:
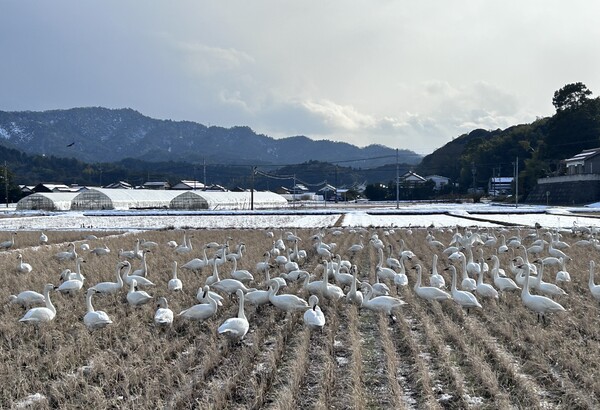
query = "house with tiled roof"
{"x": 586, "y": 162}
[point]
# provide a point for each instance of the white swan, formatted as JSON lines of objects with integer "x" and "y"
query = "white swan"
{"x": 72, "y": 282}
{"x": 175, "y": 284}
{"x": 385, "y": 304}
{"x": 400, "y": 278}
{"x": 343, "y": 279}
{"x": 94, "y": 319}
{"x": 258, "y": 297}
{"x": 428, "y": 292}
{"x": 230, "y": 286}
{"x": 539, "y": 304}
{"x": 312, "y": 287}
{"x": 436, "y": 280}
{"x": 203, "y": 297}
{"x": 163, "y": 317}
{"x": 483, "y": 289}
{"x": 197, "y": 264}
{"x": 136, "y": 253}
{"x": 43, "y": 238}
{"x": 242, "y": 275}
{"x": 503, "y": 283}
{"x": 357, "y": 247}
{"x": 548, "y": 289}
{"x": 463, "y": 298}
{"x": 354, "y": 296}
{"x": 10, "y": 243}
{"x": 328, "y": 290}
{"x": 185, "y": 248}
{"x": 27, "y": 298}
{"x": 238, "y": 254}
{"x": 143, "y": 271}
{"x": 71, "y": 254}
{"x": 314, "y": 317}
{"x": 467, "y": 283}
{"x": 235, "y": 328}
{"x": 44, "y": 314}
{"x": 201, "y": 311}
{"x": 298, "y": 255}
{"x": 101, "y": 250}
{"x": 285, "y": 302}
{"x": 264, "y": 265}
{"x": 503, "y": 248}
{"x": 127, "y": 278}
{"x": 562, "y": 275}
{"x": 594, "y": 289}
{"x": 137, "y": 297}
{"x": 390, "y": 260}
{"x": 557, "y": 252}
{"x": 148, "y": 244}
{"x": 111, "y": 287}
{"x": 23, "y": 267}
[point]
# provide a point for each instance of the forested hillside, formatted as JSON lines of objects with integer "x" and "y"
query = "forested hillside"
{"x": 473, "y": 158}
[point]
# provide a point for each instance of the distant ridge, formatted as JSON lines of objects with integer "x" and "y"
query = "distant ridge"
{"x": 97, "y": 134}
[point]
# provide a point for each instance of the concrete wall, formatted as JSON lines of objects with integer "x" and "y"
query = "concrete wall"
{"x": 566, "y": 190}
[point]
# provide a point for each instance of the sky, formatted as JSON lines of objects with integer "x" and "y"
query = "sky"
{"x": 404, "y": 74}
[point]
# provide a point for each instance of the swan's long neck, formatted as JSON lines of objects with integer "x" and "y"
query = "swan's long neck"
{"x": 234, "y": 265}
{"x": 118, "y": 274}
{"x": 463, "y": 259}
{"x": 353, "y": 285}
{"x": 49, "y": 304}
{"x": 418, "y": 284}
{"x": 216, "y": 271}
{"x": 434, "y": 268}
{"x": 241, "y": 313}
{"x": 402, "y": 267}
{"x": 175, "y": 270}
{"x": 591, "y": 281}
{"x": 88, "y": 302}
{"x": 126, "y": 271}
{"x": 380, "y": 262}
{"x": 453, "y": 270}
{"x": 525, "y": 291}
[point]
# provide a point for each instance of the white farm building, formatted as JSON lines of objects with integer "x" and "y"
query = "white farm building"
{"x": 125, "y": 199}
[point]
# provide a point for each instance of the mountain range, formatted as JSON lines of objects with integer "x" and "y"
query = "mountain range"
{"x": 97, "y": 134}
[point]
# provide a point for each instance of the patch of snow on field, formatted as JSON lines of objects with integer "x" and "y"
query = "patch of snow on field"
{"x": 30, "y": 401}
{"x": 418, "y": 215}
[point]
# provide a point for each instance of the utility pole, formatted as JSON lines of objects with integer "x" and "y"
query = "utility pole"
{"x": 294, "y": 193}
{"x": 397, "y": 182}
{"x": 336, "y": 184}
{"x": 252, "y": 190}
{"x": 204, "y": 166}
{"x": 6, "y": 183}
{"x": 517, "y": 183}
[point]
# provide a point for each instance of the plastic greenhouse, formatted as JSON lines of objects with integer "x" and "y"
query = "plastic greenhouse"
{"x": 47, "y": 201}
{"x": 123, "y": 199}
{"x": 217, "y": 200}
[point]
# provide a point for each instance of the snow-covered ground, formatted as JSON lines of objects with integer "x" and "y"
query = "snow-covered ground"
{"x": 416, "y": 215}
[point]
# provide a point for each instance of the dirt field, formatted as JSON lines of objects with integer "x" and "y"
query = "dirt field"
{"x": 434, "y": 356}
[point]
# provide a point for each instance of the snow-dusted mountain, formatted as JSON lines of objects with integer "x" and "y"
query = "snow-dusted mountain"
{"x": 107, "y": 135}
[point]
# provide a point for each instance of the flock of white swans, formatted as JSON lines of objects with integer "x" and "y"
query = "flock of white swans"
{"x": 474, "y": 276}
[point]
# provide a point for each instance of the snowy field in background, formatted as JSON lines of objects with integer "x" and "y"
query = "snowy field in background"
{"x": 415, "y": 215}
